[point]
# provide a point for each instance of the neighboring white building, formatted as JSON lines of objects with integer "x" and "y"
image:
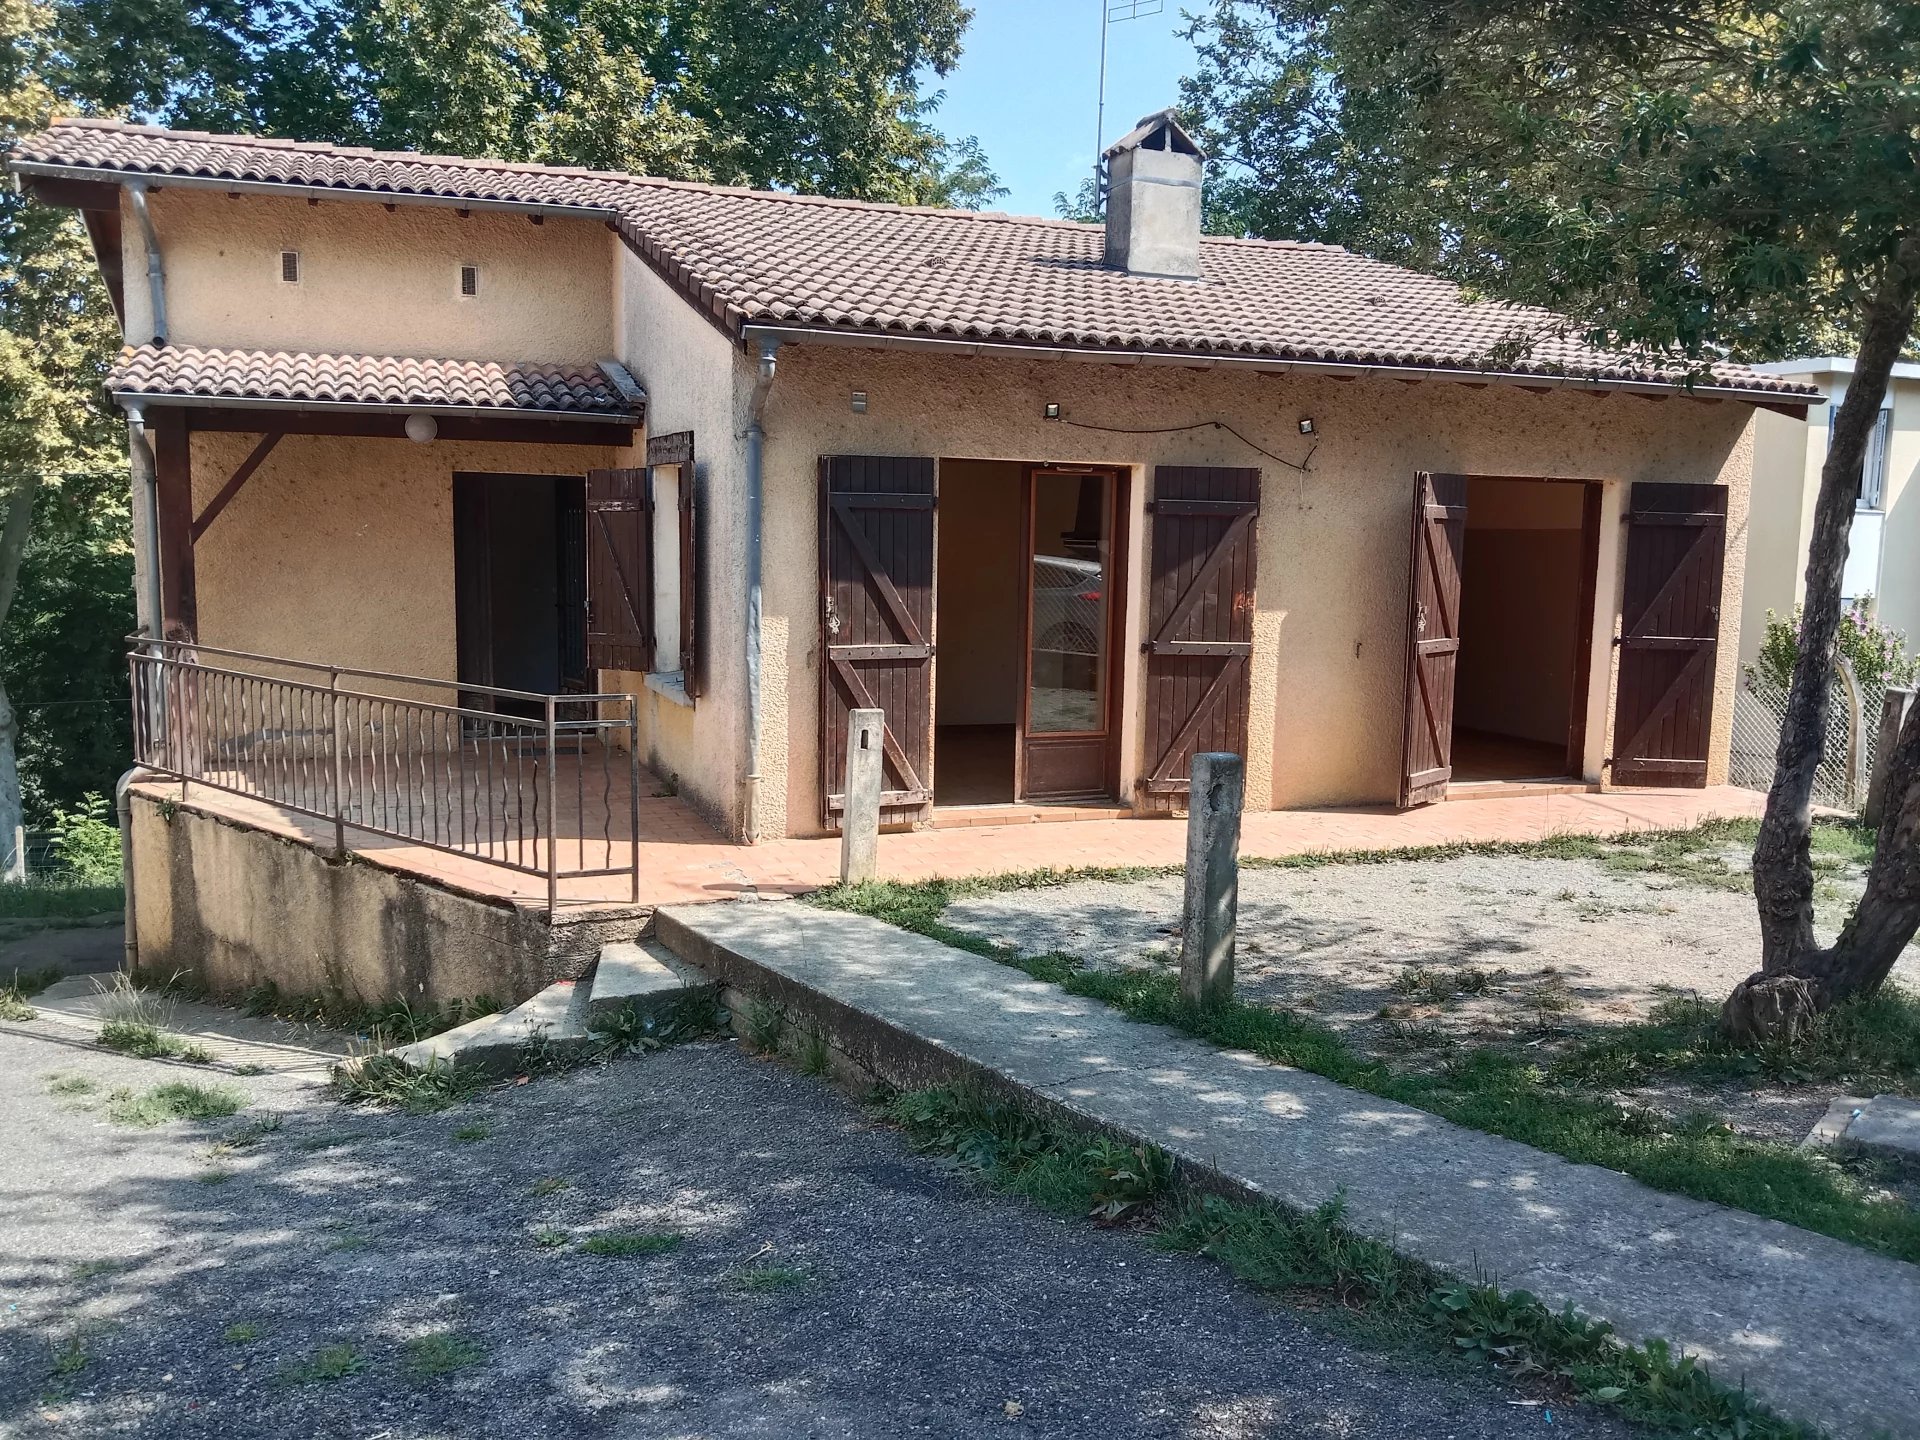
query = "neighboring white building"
{"x": 1883, "y": 559}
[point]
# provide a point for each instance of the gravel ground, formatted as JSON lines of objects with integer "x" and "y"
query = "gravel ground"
{"x": 925, "y": 1306}
{"x": 1522, "y": 944}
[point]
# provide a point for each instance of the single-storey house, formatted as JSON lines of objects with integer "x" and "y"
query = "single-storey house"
{"x": 1883, "y": 554}
{"x": 419, "y": 440}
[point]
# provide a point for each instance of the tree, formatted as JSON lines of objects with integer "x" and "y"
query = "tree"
{"x": 823, "y": 98}
{"x": 1695, "y": 180}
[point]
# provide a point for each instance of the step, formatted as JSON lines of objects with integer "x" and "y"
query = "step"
{"x": 1821, "y": 1329}
{"x": 640, "y": 973}
{"x": 1889, "y": 1123}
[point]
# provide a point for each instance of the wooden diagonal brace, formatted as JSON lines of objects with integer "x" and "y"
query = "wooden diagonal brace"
{"x": 239, "y": 477}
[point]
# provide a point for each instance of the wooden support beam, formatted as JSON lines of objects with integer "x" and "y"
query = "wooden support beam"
{"x": 179, "y": 618}
{"x": 251, "y": 420}
{"x": 239, "y": 477}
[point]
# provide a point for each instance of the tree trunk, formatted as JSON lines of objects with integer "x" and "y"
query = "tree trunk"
{"x": 14, "y": 530}
{"x": 1796, "y": 977}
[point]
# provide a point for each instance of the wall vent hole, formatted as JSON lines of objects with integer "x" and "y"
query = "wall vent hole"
{"x": 290, "y": 266}
{"x": 469, "y": 279}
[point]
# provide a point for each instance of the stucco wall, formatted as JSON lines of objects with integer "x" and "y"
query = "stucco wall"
{"x": 341, "y": 549}
{"x": 1900, "y": 542}
{"x": 1785, "y": 477}
{"x": 1330, "y": 618}
{"x": 373, "y": 281}
{"x": 697, "y": 380}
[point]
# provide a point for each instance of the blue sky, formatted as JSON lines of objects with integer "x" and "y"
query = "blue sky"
{"x": 1027, "y": 82}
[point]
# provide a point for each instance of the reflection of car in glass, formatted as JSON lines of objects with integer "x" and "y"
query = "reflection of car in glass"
{"x": 1067, "y": 596}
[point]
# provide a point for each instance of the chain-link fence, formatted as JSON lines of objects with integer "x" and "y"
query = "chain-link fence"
{"x": 1853, "y": 728}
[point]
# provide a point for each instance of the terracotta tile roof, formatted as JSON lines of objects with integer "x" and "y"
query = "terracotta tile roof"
{"x": 369, "y": 380}
{"x": 759, "y": 258}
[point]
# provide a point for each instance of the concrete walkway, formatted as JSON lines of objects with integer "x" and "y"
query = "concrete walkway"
{"x": 1822, "y": 1330}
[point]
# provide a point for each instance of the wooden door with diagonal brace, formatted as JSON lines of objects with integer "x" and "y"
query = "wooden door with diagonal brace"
{"x": 876, "y": 623}
{"x": 1669, "y": 633}
{"x": 1433, "y": 636}
{"x": 1199, "y": 621}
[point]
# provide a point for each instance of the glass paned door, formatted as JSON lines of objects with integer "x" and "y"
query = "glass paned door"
{"x": 1069, "y": 648}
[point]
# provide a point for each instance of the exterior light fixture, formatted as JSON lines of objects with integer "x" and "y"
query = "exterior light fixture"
{"x": 1306, "y": 425}
{"x": 1052, "y": 410}
{"x": 859, "y": 402}
{"x": 421, "y": 429}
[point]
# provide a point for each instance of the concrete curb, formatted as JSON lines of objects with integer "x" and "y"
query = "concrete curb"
{"x": 1822, "y": 1330}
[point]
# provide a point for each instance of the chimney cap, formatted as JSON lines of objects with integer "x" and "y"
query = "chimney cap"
{"x": 1161, "y": 130}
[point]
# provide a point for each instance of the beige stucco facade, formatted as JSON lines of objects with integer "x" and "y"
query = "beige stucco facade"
{"x": 1884, "y": 555}
{"x": 1330, "y": 618}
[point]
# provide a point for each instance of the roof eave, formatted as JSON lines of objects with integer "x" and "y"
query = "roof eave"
{"x": 162, "y": 179}
{"x": 816, "y": 335}
{"x": 364, "y": 407}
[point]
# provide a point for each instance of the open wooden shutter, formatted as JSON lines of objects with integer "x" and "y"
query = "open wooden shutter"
{"x": 1433, "y": 636}
{"x": 876, "y": 619}
{"x": 619, "y": 570}
{"x": 1669, "y": 634}
{"x": 676, "y": 450}
{"x": 1199, "y": 621}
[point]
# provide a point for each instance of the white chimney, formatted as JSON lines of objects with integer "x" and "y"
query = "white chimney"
{"x": 1153, "y": 200}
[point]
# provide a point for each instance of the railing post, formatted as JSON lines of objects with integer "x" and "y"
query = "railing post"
{"x": 860, "y": 819}
{"x": 633, "y": 790}
{"x": 553, "y": 820}
{"x": 1893, "y": 715}
{"x": 339, "y": 765}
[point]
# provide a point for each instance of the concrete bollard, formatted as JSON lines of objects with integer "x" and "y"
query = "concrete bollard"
{"x": 1213, "y": 879}
{"x": 860, "y": 821}
{"x": 1893, "y": 714}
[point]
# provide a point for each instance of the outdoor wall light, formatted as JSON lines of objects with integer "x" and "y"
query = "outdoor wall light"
{"x": 1306, "y": 425}
{"x": 859, "y": 402}
{"x": 421, "y": 429}
{"x": 1051, "y": 411}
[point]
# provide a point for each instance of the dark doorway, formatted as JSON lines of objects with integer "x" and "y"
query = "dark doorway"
{"x": 979, "y": 599}
{"x": 519, "y": 584}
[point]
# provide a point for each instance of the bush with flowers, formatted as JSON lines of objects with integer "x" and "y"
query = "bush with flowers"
{"x": 1878, "y": 655}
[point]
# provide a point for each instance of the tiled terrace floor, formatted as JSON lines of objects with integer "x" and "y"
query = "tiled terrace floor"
{"x": 684, "y": 861}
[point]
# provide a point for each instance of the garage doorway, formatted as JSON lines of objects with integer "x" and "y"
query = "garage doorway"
{"x": 1526, "y": 629}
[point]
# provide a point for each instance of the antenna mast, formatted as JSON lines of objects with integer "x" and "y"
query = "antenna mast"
{"x": 1124, "y": 10}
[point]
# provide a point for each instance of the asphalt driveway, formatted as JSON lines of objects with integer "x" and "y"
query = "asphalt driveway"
{"x": 788, "y": 1270}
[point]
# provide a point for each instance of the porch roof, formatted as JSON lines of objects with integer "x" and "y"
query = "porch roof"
{"x": 819, "y": 268}
{"x": 241, "y": 378}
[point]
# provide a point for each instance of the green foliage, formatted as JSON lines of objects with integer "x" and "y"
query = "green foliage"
{"x": 87, "y": 840}
{"x": 55, "y": 898}
{"x": 634, "y": 1030}
{"x": 241, "y": 1332}
{"x": 149, "y": 1042}
{"x": 330, "y": 1362}
{"x": 429, "y": 1357}
{"x": 1877, "y": 653}
{"x": 175, "y": 1100}
{"x": 630, "y": 1243}
{"x": 386, "y": 1083}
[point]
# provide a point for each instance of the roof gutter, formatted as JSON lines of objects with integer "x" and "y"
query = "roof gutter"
{"x": 808, "y": 335}
{"x": 357, "y": 407}
{"x": 162, "y": 181}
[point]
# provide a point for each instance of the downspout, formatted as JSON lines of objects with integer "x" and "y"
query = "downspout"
{"x": 123, "y": 807}
{"x": 156, "y": 267}
{"x": 756, "y": 490}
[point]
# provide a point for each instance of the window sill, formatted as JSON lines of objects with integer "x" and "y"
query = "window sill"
{"x": 667, "y": 683}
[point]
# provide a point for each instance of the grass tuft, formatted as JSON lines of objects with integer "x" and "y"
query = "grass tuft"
{"x": 429, "y": 1357}
{"x": 629, "y": 1243}
{"x": 635, "y": 1030}
{"x": 148, "y": 1042}
{"x": 471, "y": 1133}
{"x": 241, "y": 1332}
{"x": 175, "y": 1100}
{"x": 550, "y": 1185}
{"x": 328, "y": 1363}
{"x": 53, "y": 898}
{"x": 387, "y": 1083}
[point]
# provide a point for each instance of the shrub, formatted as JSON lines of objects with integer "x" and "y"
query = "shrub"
{"x": 88, "y": 841}
{"x": 1877, "y": 653}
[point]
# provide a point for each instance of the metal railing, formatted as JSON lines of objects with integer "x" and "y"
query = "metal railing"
{"x": 542, "y": 785}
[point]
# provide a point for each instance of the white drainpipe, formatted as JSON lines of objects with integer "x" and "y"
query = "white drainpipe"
{"x": 756, "y": 489}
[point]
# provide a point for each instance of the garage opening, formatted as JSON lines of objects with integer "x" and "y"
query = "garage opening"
{"x": 978, "y": 615}
{"x": 1526, "y": 617}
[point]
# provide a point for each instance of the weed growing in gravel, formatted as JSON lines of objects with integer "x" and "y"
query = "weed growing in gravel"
{"x": 813, "y": 1055}
{"x": 14, "y": 1006}
{"x": 765, "y": 1024}
{"x": 70, "y": 1358}
{"x": 632, "y": 1030}
{"x": 471, "y": 1133}
{"x": 148, "y": 1042}
{"x": 327, "y": 1363}
{"x": 431, "y": 1356}
{"x": 1486, "y": 1088}
{"x": 550, "y": 1238}
{"x": 550, "y": 1185}
{"x": 93, "y": 1269}
{"x": 175, "y": 1100}
{"x": 1277, "y": 1249}
{"x": 245, "y": 1137}
{"x": 241, "y": 1332}
{"x": 625, "y": 1244}
{"x": 214, "y": 1175}
{"x": 331, "y": 1140}
{"x": 767, "y": 1279}
{"x": 59, "y": 1084}
{"x": 382, "y": 1081}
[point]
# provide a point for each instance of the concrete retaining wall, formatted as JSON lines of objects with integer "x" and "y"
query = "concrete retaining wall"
{"x": 235, "y": 906}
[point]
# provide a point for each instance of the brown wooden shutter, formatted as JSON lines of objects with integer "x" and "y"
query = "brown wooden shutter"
{"x": 676, "y": 450}
{"x": 876, "y": 618}
{"x": 619, "y": 570}
{"x": 1199, "y": 621}
{"x": 1669, "y": 634}
{"x": 1433, "y": 636}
